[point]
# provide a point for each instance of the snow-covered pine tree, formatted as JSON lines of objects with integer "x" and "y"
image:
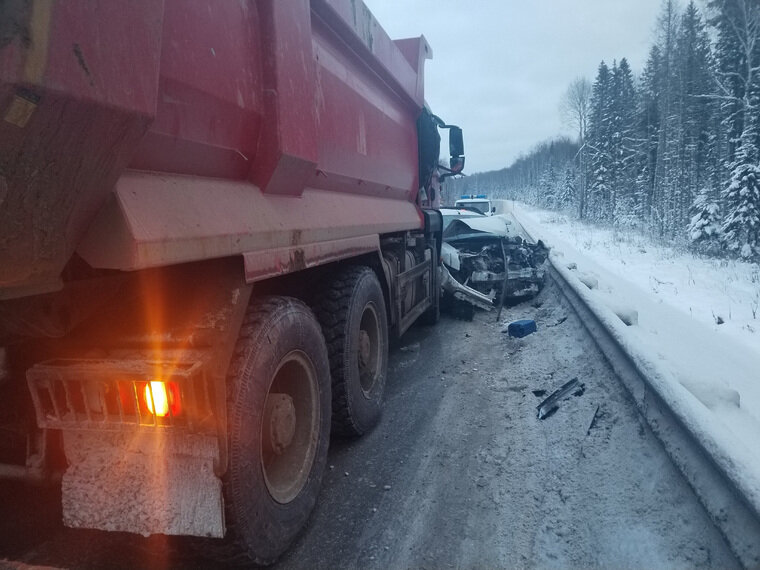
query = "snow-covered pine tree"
{"x": 736, "y": 53}
{"x": 741, "y": 226}
{"x": 568, "y": 195}
{"x": 648, "y": 133}
{"x": 599, "y": 142}
{"x": 737, "y": 23}
{"x": 695, "y": 107}
{"x": 665, "y": 176}
{"x": 548, "y": 184}
{"x": 623, "y": 103}
{"x": 704, "y": 230}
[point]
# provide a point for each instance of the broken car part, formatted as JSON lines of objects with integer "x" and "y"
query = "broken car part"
{"x": 551, "y": 404}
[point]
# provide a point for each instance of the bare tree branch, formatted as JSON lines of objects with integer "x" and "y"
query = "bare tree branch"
{"x": 575, "y": 106}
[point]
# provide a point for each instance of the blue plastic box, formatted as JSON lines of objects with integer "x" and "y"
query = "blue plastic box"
{"x": 521, "y": 328}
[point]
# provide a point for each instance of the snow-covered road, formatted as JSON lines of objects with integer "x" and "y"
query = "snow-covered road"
{"x": 478, "y": 481}
{"x": 462, "y": 473}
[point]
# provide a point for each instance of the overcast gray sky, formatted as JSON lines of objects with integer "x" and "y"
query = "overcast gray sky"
{"x": 500, "y": 67}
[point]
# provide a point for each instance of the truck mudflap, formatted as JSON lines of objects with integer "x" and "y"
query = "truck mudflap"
{"x": 144, "y": 482}
{"x": 141, "y": 444}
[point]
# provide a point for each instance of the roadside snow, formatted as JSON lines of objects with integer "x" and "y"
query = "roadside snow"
{"x": 665, "y": 307}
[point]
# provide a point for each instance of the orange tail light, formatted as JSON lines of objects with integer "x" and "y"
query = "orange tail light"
{"x": 162, "y": 398}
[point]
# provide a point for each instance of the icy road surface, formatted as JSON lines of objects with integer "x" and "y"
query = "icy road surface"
{"x": 461, "y": 473}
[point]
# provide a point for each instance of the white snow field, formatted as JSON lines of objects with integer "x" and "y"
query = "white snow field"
{"x": 664, "y": 307}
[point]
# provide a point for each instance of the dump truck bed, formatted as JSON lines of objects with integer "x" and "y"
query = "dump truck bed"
{"x": 146, "y": 134}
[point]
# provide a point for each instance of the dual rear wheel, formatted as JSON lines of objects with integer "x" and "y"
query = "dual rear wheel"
{"x": 294, "y": 373}
{"x": 351, "y": 311}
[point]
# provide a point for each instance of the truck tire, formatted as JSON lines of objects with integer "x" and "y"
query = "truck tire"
{"x": 350, "y": 308}
{"x": 279, "y": 429}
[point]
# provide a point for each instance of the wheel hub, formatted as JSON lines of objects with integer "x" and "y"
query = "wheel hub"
{"x": 364, "y": 349}
{"x": 279, "y": 422}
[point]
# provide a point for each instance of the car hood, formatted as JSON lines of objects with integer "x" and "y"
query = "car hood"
{"x": 496, "y": 225}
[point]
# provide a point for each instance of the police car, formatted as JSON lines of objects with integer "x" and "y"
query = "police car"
{"x": 479, "y": 203}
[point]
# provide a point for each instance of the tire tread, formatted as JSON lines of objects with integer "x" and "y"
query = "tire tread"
{"x": 232, "y": 550}
{"x": 331, "y": 306}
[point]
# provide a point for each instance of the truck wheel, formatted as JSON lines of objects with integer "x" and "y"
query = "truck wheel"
{"x": 351, "y": 310}
{"x": 279, "y": 428}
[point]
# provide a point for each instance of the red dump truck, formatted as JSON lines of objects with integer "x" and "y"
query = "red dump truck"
{"x": 212, "y": 215}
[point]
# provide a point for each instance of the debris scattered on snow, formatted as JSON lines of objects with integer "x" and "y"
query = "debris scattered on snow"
{"x": 386, "y": 488}
{"x": 677, "y": 337}
{"x": 411, "y": 347}
{"x": 572, "y": 266}
{"x": 551, "y": 404}
{"x": 592, "y": 425}
{"x": 559, "y": 321}
{"x": 521, "y": 328}
{"x": 539, "y": 393}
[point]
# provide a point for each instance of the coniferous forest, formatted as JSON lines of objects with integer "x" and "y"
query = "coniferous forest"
{"x": 673, "y": 152}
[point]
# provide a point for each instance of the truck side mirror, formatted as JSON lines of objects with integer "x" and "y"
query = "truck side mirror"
{"x": 456, "y": 142}
{"x": 456, "y": 150}
{"x": 493, "y": 210}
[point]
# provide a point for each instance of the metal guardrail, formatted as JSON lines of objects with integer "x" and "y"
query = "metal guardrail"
{"x": 730, "y": 508}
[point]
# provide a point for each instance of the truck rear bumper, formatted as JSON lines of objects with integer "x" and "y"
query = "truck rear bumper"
{"x": 135, "y": 464}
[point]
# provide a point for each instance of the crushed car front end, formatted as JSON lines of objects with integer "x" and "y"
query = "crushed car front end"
{"x": 487, "y": 257}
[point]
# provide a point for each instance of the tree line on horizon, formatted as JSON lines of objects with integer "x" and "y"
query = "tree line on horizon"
{"x": 674, "y": 152}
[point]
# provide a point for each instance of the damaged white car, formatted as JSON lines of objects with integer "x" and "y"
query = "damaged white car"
{"x": 485, "y": 257}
